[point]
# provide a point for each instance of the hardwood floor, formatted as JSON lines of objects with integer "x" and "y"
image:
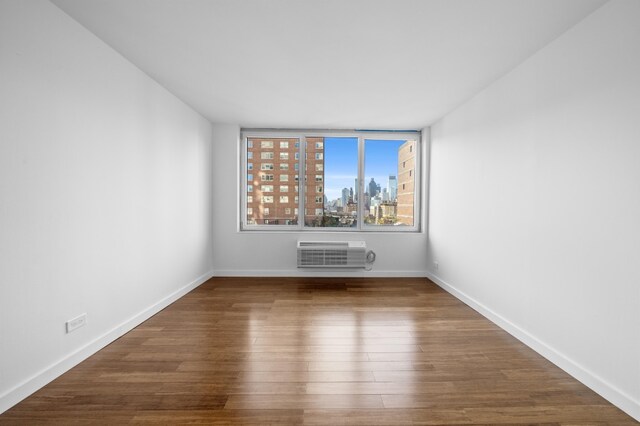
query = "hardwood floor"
{"x": 316, "y": 351}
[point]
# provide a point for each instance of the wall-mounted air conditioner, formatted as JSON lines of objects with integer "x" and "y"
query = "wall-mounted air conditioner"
{"x": 332, "y": 254}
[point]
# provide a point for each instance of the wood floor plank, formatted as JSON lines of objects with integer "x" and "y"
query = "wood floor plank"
{"x": 331, "y": 351}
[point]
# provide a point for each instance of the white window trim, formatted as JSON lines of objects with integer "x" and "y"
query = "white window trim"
{"x": 302, "y": 136}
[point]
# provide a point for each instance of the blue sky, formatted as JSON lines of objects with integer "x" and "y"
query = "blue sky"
{"x": 341, "y": 163}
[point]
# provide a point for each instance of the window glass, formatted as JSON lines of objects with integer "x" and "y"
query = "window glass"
{"x": 332, "y": 170}
{"x": 279, "y": 209}
{"x": 389, "y": 182}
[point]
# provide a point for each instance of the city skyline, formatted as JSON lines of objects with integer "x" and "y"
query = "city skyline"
{"x": 342, "y": 159}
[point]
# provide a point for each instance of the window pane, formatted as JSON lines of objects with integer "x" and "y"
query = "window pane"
{"x": 389, "y": 167}
{"x": 263, "y": 208}
{"x": 331, "y": 176}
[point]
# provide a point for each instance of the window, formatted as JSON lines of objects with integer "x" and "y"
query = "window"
{"x": 389, "y": 164}
{"x": 361, "y": 181}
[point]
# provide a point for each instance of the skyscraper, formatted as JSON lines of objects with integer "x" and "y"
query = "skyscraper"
{"x": 372, "y": 188}
{"x": 345, "y": 197}
{"x": 392, "y": 186}
{"x": 355, "y": 195}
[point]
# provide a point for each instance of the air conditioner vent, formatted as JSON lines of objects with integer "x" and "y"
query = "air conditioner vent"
{"x": 331, "y": 254}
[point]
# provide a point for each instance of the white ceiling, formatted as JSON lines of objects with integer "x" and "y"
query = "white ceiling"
{"x": 385, "y": 64}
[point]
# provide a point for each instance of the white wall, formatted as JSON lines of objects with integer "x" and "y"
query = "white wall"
{"x": 105, "y": 207}
{"x": 274, "y": 253}
{"x": 535, "y": 202}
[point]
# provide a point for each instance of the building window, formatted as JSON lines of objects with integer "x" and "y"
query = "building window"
{"x": 386, "y": 200}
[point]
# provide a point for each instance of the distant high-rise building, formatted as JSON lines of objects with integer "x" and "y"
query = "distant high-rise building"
{"x": 345, "y": 197}
{"x": 385, "y": 194}
{"x": 351, "y": 193}
{"x": 372, "y": 188}
{"x": 355, "y": 192}
{"x": 392, "y": 185}
{"x": 378, "y": 189}
{"x": 406, "y": 182}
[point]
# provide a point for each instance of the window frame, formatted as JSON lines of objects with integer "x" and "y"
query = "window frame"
{"x": 301, "y": 136}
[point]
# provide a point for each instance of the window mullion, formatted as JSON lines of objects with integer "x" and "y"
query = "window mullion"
{"x": 360, "y": 192}
{"x": 302, "y": 173}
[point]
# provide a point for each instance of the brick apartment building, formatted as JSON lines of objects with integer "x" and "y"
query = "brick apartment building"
{"x": 273, "y": 181}
{"x": 406, "y": 182}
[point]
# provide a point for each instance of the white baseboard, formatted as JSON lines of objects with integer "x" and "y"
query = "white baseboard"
{"x": 316, "y": 273}
{"x": 37, "y": 381}
{"x": 605, "y": 389}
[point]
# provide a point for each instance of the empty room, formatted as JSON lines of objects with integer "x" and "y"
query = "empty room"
{"x": 371, "y": 212}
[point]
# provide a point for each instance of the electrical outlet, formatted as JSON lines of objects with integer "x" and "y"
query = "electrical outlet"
{"x": 436, "y": 265}
{"x": 77, "y": 322}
